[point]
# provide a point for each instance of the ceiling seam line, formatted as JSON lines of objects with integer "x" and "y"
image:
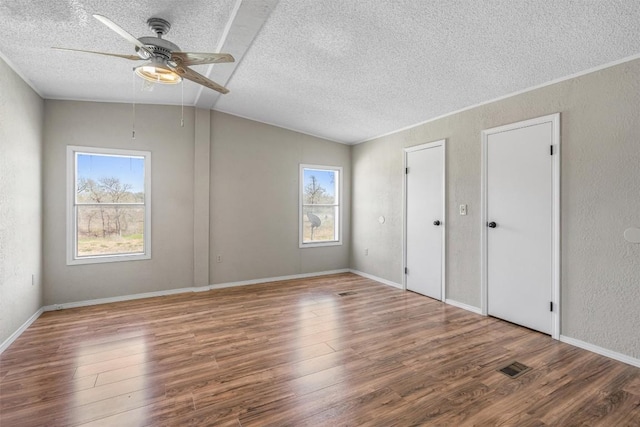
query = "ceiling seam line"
{"x": 223, "y": 40}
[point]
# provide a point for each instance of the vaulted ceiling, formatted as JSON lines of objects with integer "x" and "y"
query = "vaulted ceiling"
{"x": 345, "y": 70}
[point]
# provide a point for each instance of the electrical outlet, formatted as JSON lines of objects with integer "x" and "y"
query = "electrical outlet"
{"x": 366, "y": 252}
{"x": 219, "y": 258}
{"x": 58, "y": 306}
{"x": 463, "y": 209}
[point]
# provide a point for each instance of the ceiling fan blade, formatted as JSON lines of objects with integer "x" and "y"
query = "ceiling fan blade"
{"x": 195, "y": 58}
{"x": 189, "y": 74}
{"x": 131, "y": 57}
{"x": 115, "y": 27}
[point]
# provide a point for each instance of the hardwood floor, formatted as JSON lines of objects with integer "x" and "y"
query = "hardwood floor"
{"x": 295, "y": 353}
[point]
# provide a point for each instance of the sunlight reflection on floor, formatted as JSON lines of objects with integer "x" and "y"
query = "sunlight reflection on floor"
{"x": 93, "y": 358}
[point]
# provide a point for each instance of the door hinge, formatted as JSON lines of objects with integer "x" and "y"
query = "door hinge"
{"x": 406, "y": 170}
{"x": 406, "y": 270}
{"x": 550, "y": 305}
{"x": 551, "y": 150}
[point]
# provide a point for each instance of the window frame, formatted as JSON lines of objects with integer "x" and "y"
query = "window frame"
{"x": 301, "y": 205}
{"x": 72, "y": 233}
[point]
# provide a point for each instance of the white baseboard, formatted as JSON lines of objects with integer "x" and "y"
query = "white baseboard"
{"x": 602, "y": 351}
{"x": 276, "y": 279}
{"x": 14, "y": 336}
{"x": 108, "y": 300}
{"x": 399, "y": 286}
{"x": 377, "y": 279}
{"x": 98, "y": 301}
{"x": 463, "y": 306}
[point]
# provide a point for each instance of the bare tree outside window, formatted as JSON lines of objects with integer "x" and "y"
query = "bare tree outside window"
{"x": 313, "y": 191}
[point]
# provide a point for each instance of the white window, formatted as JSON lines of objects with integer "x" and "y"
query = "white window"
{"x": 108, "y": 205}
{"x": 320, "y": 213}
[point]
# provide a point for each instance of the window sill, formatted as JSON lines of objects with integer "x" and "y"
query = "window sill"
{"x": 108, "y": 258}
{"x": 320, "y": 244}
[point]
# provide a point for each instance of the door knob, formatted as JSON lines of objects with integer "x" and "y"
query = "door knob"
{"x": 436, "y": 222}
{"x": 492, "y": 224}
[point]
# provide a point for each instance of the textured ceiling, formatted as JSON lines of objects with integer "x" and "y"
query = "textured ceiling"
{"x": 29, "y": 28}
{"x": 343, "y": 70}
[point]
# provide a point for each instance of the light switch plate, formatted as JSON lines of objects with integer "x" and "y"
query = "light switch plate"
{"x": 463, "y": 209}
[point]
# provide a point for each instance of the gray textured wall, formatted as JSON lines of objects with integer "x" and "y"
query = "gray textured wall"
{"x": 172, "y": 152}
{"x": 254, "y": 200}
{"x": 21, "y": 116}
{"x": 600, "y": 181}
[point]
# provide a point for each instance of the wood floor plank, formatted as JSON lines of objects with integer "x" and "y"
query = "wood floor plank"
{"x": 83, "y": 370}
{"x": 296, "y": 353}
{"x": 355, "y": 411}
{"x": 25, "y": 392}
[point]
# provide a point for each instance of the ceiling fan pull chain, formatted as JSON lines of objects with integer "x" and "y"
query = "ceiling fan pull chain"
{"x": 133, "y": 105}
{"x": 182, "y": 104}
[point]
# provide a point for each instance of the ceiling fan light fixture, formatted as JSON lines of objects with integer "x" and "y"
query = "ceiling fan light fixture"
{"x": 156, "y": 71}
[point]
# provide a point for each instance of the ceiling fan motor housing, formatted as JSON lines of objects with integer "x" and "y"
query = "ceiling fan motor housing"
{"x": 158, "y": 45}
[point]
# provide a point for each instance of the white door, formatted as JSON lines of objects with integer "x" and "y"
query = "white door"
{"x": 424, "y": 232}
{"x": 520, "y": 220}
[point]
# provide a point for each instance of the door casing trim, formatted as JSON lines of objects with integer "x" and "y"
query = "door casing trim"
{"x": 554, "y": 119}
{"x": 440, "y": 143}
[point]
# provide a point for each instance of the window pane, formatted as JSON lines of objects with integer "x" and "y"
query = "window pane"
{"x": 319, "y": 223}
{"x": 109, "y": 179}
{"x": 110, "y": 230}
{"x": 320, "y": 187}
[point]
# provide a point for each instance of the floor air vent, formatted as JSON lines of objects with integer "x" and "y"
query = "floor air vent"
{"x": 514, "y": 369}
{"x": 346, "y": 294}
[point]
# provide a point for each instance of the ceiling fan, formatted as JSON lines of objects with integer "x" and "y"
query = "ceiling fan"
{"x": 165, "y": 63}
